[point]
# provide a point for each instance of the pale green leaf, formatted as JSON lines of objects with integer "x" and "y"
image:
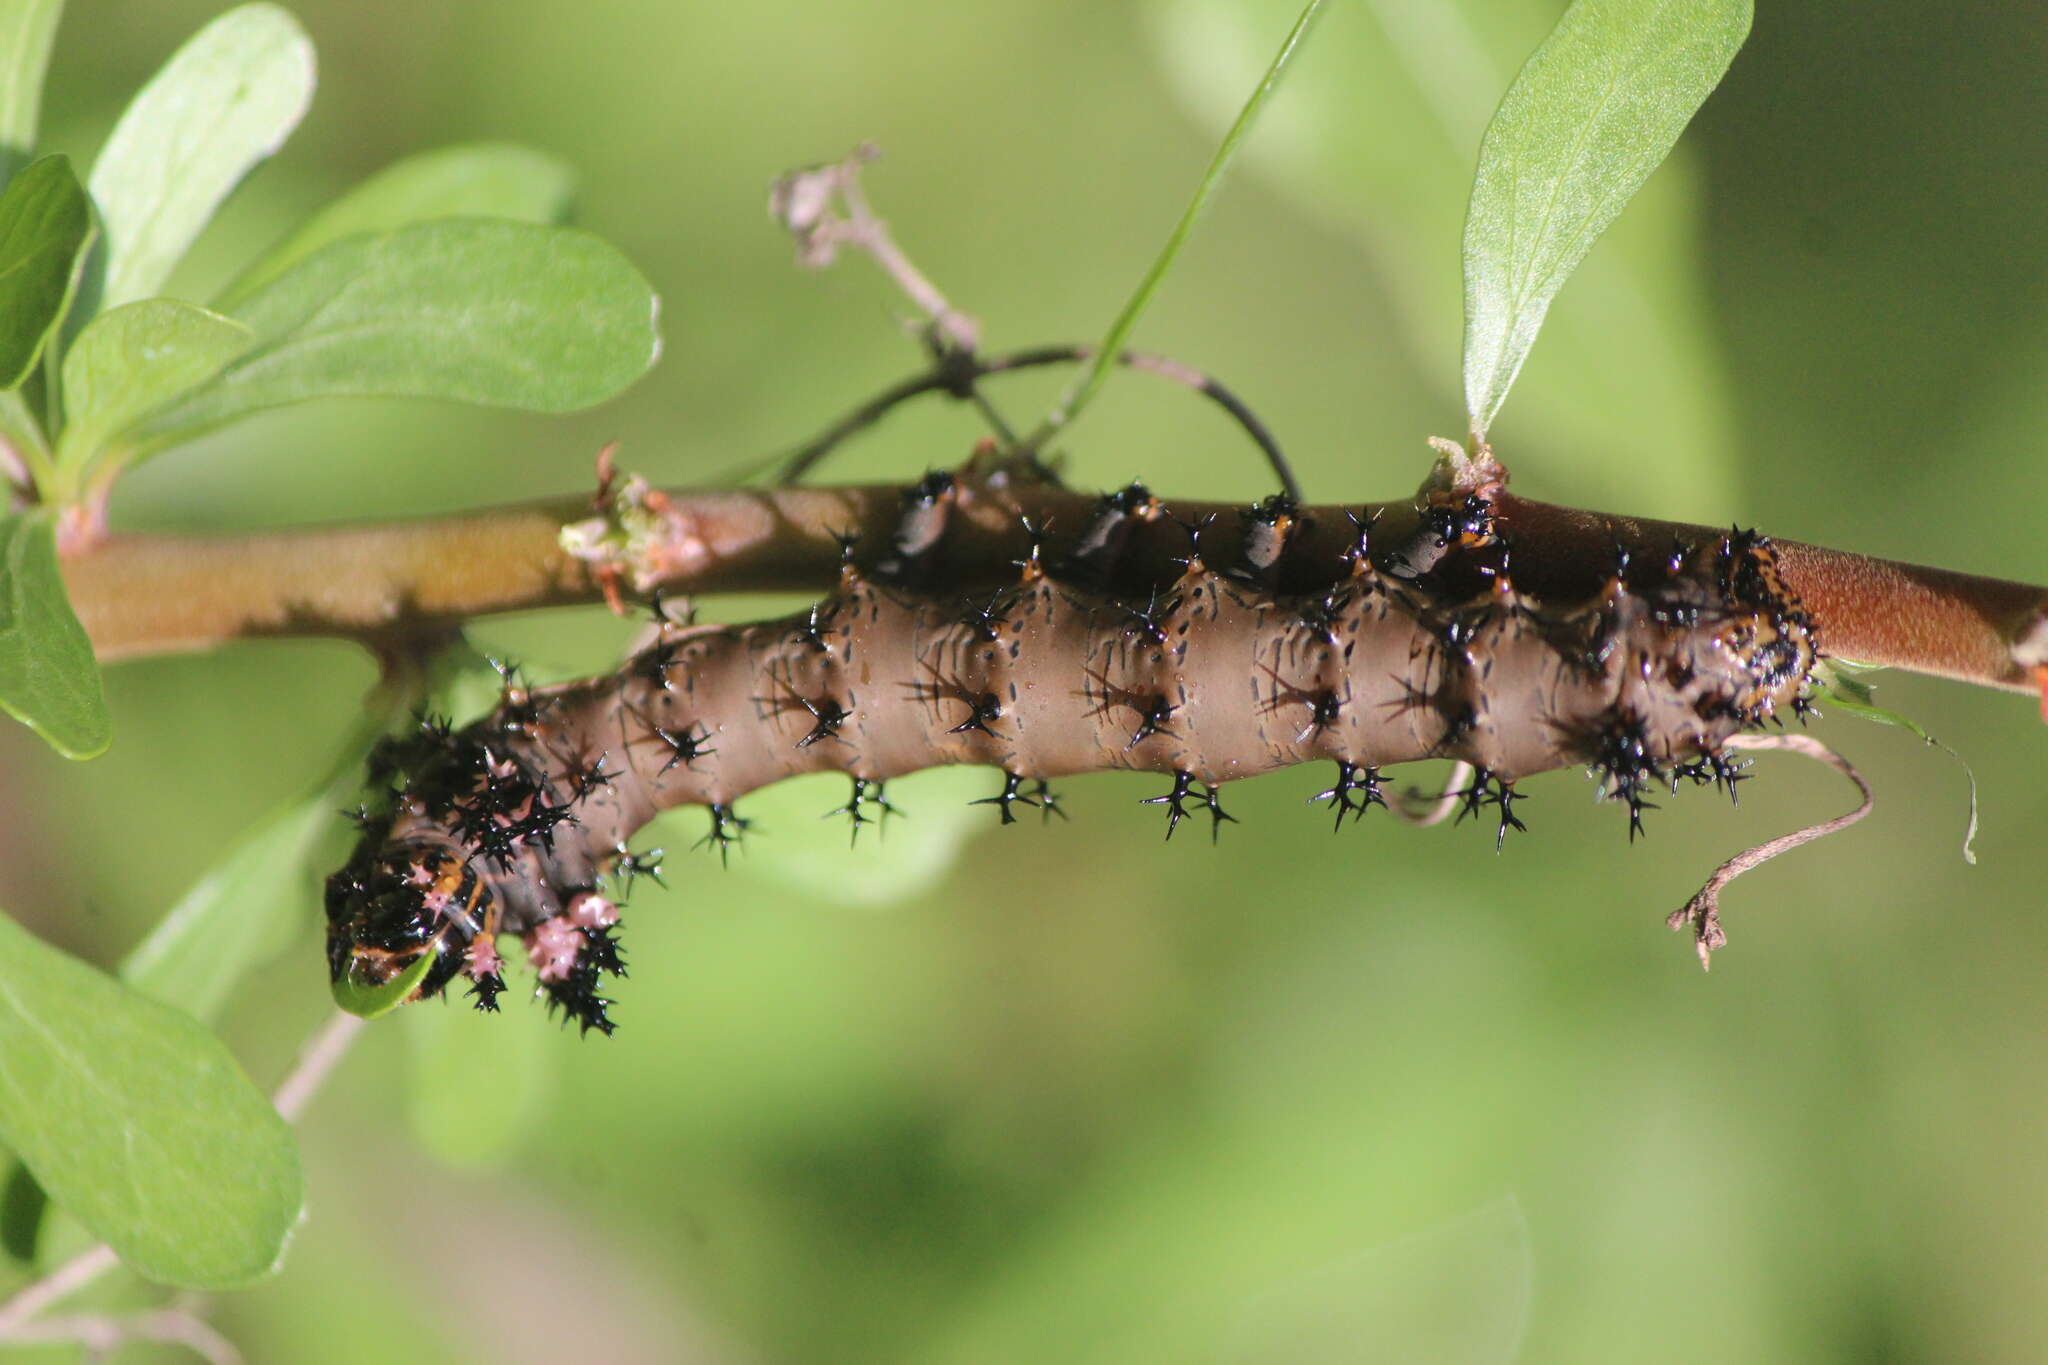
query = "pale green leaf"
{"x": 127, "y": 363}
{"x": 479, "y": 180}
{"x": 1376, "y": 140}
{"x": 476, "y": 310}
{"x": 226, "y": 100}
{"x": 139, "y": 1123}
{"x": 48, "y": 676}
{"x": 241, "y": 914}
{"x": 1126, "y": 320}
{"x": 1594, "y": 111}
{"x": 27, "y": 28}
{"x": 45, "y": 228}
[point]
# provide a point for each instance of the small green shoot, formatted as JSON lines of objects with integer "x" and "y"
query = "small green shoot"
{"x": 128, "y": 362}
{"x": 1084, "y": 390}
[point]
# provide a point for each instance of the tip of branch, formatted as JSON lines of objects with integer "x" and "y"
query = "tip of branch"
{"x": 1702, "y": 914}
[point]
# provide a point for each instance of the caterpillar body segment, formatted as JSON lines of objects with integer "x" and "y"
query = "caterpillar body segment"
{"x": 1315, "y": 634}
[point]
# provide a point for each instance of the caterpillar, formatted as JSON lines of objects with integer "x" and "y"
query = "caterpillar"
{"x": 1204, "y": 648}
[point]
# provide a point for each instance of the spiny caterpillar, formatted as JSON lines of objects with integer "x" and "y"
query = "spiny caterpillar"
{"x": 1204, "y": 652}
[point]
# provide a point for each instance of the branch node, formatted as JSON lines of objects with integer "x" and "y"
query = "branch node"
{"x": 639, "y": 535}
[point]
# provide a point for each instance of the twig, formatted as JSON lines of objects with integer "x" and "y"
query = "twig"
{"x": 100, "y": 1333}
{"x": 1702, "y": 914}
{"x": 316, "y": 1062}
{"x": 955, "y": 375}
{"x": 19, "y": 1315}
{"x": 802, "y": 201}
{"x": 1413, "y": 808}
{"x": 61, "y": 1283}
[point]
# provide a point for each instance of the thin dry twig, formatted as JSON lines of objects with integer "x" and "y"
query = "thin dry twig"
{"x": 61, "y": 1283}
{"x": 104, "y": 1333}
{"x": 316, "y": 1063}
{"x": 1703, "y": 912}
{"x": 956, "y": 375}
{"x": 803, "y": 201}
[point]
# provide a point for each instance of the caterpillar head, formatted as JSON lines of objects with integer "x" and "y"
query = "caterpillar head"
{"x": 403, "y": 924}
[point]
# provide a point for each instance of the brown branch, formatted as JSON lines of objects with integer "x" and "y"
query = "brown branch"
{"x": 373, "y": 583}
{"x": 1875, "y": 611}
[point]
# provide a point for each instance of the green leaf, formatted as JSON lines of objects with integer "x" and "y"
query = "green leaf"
{"x": 1594, "y": 111}
{"x": 242, "y": 913}
{"x": 139, "y": 1123}
{"x": 48, "y": 676}
{"x": 27, "y": 28}
{"x": 1077, "y": 398}
{"x": 127, "y": 363}
{"x": 1376, "y": 140}
{"x": 226, "y": 100}
{"x": 479, "y": 180}
{"x": 480, "y": 311}
{"x": 45, "y": 228}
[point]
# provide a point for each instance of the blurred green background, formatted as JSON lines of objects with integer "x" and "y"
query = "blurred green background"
{"x": 1075, "y": 1094}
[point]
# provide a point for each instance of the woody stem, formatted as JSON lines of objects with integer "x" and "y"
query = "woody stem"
{"x": 378, "y": 582}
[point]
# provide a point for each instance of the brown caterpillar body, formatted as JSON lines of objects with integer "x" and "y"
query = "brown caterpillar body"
{"x": 1104, "y": 654}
